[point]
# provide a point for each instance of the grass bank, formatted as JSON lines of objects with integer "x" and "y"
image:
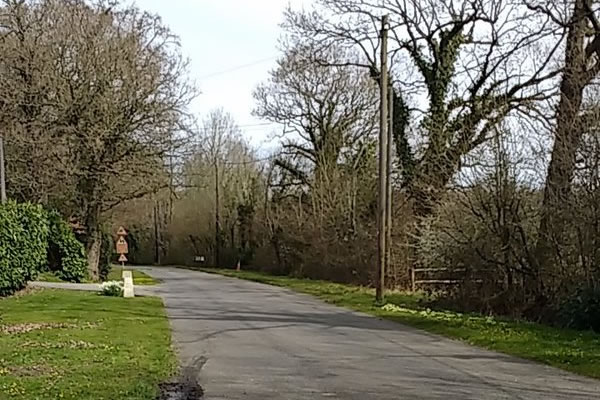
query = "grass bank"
{"x": 139, "y": 278}
{"x": 574, "y": 351}
{"x": 115, "y": 274}
{"x": 72, "y": 345}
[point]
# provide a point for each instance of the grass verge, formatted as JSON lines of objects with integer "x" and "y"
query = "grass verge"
{"x": 115, "y": 274}
{"x": 139, "y": 278}
{"x": 574, "y": 351}
{"x": 72, "y": 345}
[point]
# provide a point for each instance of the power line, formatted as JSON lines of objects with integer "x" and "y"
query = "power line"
{"x": 217, "y": 73}
{"x": 257, "y": 160}
{"x": 247, "y": 162}
{"x": 257, "y": 126}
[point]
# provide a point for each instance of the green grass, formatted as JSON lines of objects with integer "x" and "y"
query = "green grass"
{"x": 574, "y": 351}
{"x": 109, "y": 348}
{"x": 115, "y": 274}
{"x": 139, "y": 278}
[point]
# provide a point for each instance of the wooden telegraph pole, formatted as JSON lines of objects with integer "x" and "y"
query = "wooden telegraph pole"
{"x": 381, "y": 206}
{"x": 388, "y": 192}
{"x": 157, "y": 238}
{"x": 217, "y": 218}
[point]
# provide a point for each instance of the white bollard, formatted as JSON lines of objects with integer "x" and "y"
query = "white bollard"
{"x": 128, "y": 284}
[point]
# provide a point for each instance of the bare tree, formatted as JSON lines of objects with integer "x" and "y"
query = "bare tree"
{"x": 465, "y": 59}
{"x": 219, "y": 131}
{"x": 573, "y": 119}
{"x": 102, "y": 89}
{"x": 321, "y": 186}
{"x": 327, "y": 113}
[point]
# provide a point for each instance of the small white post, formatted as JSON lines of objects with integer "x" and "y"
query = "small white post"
{"x": 128, "y": 284}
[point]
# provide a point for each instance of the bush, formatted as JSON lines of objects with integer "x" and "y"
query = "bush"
{"x": 112, "y": 288}
{"x": 66, "y": 254}
{"x": 582, "y": 311}
{"x": 23, "y": 245}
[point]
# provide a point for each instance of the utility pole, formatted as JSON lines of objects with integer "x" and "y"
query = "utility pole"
{"x": 217, "y": 218}
{"x": 388, "y": 193}
{"x": 157, "y": 240}
{"x": 382, "y": 207}
{"x": 2, "y": 172}
{"x": 171, "y": 187}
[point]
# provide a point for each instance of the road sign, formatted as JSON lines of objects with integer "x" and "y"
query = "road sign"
{"x": 122, "y": 247}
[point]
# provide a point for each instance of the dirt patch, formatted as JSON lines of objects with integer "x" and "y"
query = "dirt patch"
{"x": 29, "y": 371}
{"x": 30, "y": 327}
{"x": 71, "y": 344}
{"x": 186, "y": 387}
{"x": 15, "y": 329}
{"x": 25, "y": 292}
{"x": 180, "y": 391}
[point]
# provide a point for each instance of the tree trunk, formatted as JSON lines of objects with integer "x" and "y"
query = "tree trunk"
{"x": 400, "y": 123}
{"x": 94, "y": 248}
{"x": 567, "y": 138}
{"x": 277, "y": 250}
{"x": 430, "y": 182}
{"x": 93, "y": 239}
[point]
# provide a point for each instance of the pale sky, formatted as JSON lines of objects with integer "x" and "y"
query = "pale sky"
{"x": 219, "y": 36}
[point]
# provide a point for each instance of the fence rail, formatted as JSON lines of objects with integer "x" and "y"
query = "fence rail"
{"x": 415, "y": 281}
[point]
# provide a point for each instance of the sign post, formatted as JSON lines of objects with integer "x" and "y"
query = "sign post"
{"x": 122, "y": 250}
{"x": 122, "y": 247}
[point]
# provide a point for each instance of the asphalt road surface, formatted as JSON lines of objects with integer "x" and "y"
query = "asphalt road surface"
{"x": 244, "y": 340}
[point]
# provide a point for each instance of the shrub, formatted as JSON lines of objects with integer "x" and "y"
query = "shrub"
{"x": 112, "y": 288}
{"x": 582, "y": 311}
{"x": 23, "y": 245}
{"x": 66, "y": 254}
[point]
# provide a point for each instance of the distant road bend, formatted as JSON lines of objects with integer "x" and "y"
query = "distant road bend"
{"x": 250, "y": 341}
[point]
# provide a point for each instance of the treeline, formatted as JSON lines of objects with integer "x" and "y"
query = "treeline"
{"x": 496, "y": 162}
{"x": 496, "y": 172}
{"x": 93, "y": 99}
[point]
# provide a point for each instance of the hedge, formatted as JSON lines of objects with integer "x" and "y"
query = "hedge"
{"x": 23, "y": 245}
{"x": 33, "y": 240}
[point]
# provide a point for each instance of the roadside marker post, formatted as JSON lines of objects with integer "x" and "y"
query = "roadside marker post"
{"x": 128, "y": 284}
{"x": 122, "y": 246}
{"x": 122, "y": 250}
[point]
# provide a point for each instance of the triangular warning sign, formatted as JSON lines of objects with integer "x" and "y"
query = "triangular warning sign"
{"x": 122, "y": 258}
{"x": 121, "y": 231}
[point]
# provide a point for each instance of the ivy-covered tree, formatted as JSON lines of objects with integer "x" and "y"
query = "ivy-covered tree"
{"x": 457, "y": 68}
